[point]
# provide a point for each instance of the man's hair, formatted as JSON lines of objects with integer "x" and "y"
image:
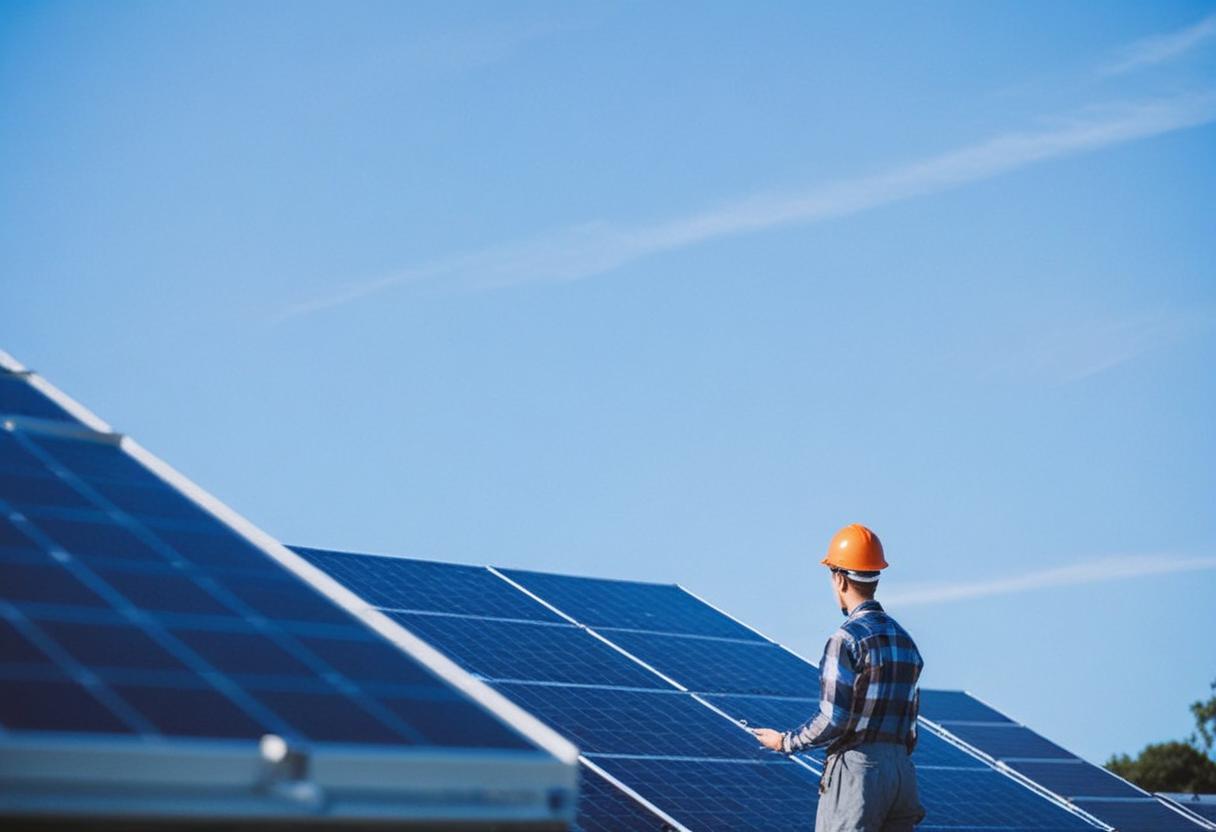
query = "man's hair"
{"x": 864, "y": 589}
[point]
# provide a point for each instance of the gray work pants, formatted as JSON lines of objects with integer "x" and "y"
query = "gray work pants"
{"x": 870, "y": 788}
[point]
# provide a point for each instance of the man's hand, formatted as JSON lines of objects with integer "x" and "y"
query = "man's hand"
{"x": 769, "y": 738}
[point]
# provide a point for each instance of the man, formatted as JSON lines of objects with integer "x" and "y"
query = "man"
{"x": 868, "y": 702}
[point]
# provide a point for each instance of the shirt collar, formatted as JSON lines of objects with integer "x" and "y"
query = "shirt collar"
{"x": 865, "y": 607}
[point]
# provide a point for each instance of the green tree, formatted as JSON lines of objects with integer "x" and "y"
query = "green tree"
{"x": 1205, "y": 721}
{"x": 1167, "y": 767}
{"x": 1176, "y": 766}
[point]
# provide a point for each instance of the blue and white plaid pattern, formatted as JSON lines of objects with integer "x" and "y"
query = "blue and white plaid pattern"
{"x": 867, "y": 686}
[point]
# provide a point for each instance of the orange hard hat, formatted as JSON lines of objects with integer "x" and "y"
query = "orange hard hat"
{"x": 856, "y": 549}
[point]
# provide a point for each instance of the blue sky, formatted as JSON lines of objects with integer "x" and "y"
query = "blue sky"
{"x": 666, "y": 292}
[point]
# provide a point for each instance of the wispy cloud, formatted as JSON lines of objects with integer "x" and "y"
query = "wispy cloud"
{"x": 1161, "y": 48}
{"x": 1085, "y": 346}
{"x": 1089, "y": 572}
{"x": 595, "y": 248}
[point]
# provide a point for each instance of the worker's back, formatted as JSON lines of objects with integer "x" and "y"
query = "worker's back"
{"x": 886, "y": 666}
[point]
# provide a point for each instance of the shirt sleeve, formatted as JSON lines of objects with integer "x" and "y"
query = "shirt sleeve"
{"x": 837, "y": 676}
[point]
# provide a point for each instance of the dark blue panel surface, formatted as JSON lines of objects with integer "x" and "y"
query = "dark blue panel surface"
{"x": 954, "y": 705}
{"x": 330, "y": 716}
{"x": 657, "y": 723}
{"x": 11, "y": 536}
{"x": 156, "y": 618}
{"x": 368, "y": 660}
{"x": 26, "y": 491}
{"x": 742, "y": 797}
{"x": 1008, "y": 741}
{"x": 192, "y": 712}
{"x": 16, "y": 647}
{"x": 95, "y": 534}
{"x": 213, "y": 546}
{"x": 714, "y": 666}
{"x": 987, "y": 798}
{"x": 530, "y": 651}
{"x": 243, "y": 653}
{"x": 43, "y": 582}
{"x": 406, "y": 584}
{"x": 15, "y": 458}
{"x": 1146, "y": 815}
{"x": 602, "y": 807}
{"x": 1076, "y": 778}
{"x": 19, "y": 398}
{"x": 92, "y": 461}
{"x": 33, "y": 704}
{"x": 97, "y": 645}
{"x": 161, "y": 588}
{"x": 445, "y": 721}
{"x": 603, "y": 603}
{"x": 1205, "y": 809}
{"x": 282, "y": 599}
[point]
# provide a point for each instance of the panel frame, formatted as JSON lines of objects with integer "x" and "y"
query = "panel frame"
{"x": 76, "y": 781}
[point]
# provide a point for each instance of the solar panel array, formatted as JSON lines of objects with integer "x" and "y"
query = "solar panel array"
{"x": 657, "y": 688}
{"x": 128, "y": 610}
{"x": 1109, "y": 798}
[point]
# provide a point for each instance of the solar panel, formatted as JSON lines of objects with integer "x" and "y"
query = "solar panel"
{"x": 1093, "y": 789}
{"x": 602, "y": 807}
{"x": 651, "y": 723}
{"x": 75, "y": 562}
{"x": 954, "y": 706}
{"x": 1202, "y": 805}
{"x": 1074, "y": 778}
{"x": 717, "y": 666}
{"x": 716, "y": 794}
{"x": 691, "y": 762}
{"x": 1007, "y": 742}
{"x": 127, "y": 609}
{"x": 660, "y": 608}
{"x": 538, "y": 652}
{"x": 1145, "y": 815}
{"x": 393, "y": 583}
{"x": 986, "y": 798}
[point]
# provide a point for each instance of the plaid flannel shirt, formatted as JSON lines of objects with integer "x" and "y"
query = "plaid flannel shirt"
{"x": 867, "y": 686}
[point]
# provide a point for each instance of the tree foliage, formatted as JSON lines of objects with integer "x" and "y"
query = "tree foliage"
{"x": 1167, "y": 767}
{"x": 1176, "y": 766}
{"x": 1205, "y": 721}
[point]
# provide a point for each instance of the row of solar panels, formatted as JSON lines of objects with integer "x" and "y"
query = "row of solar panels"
{"x": 149, "y": 637}
{"x": 656, "y": 687}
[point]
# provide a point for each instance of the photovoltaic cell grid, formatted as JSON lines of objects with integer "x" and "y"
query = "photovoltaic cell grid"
{"x": 1205, "y": 809}
{"x": 1204, "y": 806}
{"x": 703, "y": 794}
{"x": 1138, "y": 815}
{"x": 1090, "y": 788}
{"x": 605, "y": 808}
{"x": 678, "y": 754}
{"x": 612, "y": 707}
{"x": 127, "y": 609}
{"x": 658, "y": 608}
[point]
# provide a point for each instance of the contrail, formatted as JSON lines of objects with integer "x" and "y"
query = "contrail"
{"x": 595, "y": 248}
{"x": 1162, "y": 48}
{"x": 1089, "y": 572}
